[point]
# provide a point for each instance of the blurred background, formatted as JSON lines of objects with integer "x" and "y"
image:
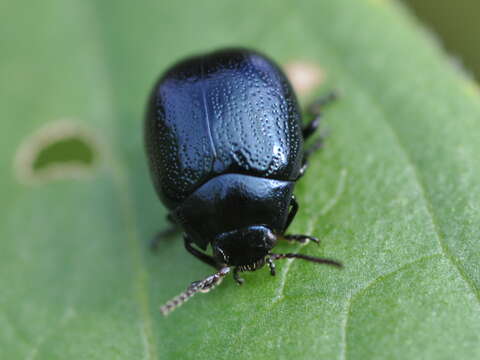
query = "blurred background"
{"x": 457, "y": 26}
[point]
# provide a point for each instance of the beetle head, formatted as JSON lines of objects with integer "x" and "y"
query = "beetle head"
{"x": 246, "y": 247}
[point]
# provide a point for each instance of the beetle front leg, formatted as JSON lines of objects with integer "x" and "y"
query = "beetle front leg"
{"x": 207, "y": 259}
{"x": 296, "y": 237}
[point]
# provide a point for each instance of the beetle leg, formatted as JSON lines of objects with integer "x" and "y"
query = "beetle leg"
{"x": 207, "y": 259}
{"x": 301, "y": 238}
{"x": 237, "y": 277}
{"x": 271, "y": 265}
{"x": 291, "y": 216}
{"x": 314, "y": 109}
{"x": 318, "y": 144}
{"x": 317, "y": 105}
{"x": 302, "y": 169}
{"x": 306, "y": 257}
{"x": 311, "y": 127}
{"x": 171, "y": 230}
{"x": 292, "y": 212}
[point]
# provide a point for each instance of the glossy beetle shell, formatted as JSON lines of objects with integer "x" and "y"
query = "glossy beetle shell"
{"x": 228, "y": 112}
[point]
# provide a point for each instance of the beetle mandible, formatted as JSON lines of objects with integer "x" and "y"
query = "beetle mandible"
{"x": 225, "y": 146}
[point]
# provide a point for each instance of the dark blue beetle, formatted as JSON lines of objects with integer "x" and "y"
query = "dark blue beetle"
{"x": 225, "y": 146}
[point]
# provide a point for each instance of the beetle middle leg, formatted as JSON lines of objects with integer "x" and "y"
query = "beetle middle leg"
{"x": 207, "y": 259}
{"x": 315, "y": 109}
{"x": 292, "y": 213}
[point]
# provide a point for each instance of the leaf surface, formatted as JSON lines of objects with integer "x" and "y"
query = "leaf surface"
{"x": 395, "y": 194}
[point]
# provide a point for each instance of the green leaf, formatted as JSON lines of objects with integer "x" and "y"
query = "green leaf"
{"x": 395, "y": 194}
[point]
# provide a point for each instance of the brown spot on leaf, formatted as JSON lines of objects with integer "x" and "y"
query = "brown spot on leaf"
{"x": 305, "y": 76}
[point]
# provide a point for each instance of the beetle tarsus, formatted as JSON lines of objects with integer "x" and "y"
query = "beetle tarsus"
{"x": 301, "y": 238}
{"x": 237, "y": 277}
{"x": 308, "y": 258}
{"x": 271, "y": 265}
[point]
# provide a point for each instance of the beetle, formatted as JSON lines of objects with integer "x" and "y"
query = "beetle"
{"x": 225, "y": 147}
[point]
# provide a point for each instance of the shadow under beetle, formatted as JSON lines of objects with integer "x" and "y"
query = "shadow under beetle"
{"x": 225, "y": 146}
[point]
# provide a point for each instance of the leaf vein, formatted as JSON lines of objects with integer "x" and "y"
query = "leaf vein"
{"x": 313, "y": 220}
{"x": 431, "y": 213}
{"x": 421, "y": 186}
{"x": 68, "y": 314}
{"x": 356, "y": 294}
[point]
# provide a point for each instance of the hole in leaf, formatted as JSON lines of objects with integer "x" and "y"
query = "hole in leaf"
{"x": 59, "y": 150}
{"x": 65, "y": 151}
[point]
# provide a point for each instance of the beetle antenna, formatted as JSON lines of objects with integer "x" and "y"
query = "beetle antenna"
{"x": 308, "y": 258}
{"x": 203, "y": 286}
